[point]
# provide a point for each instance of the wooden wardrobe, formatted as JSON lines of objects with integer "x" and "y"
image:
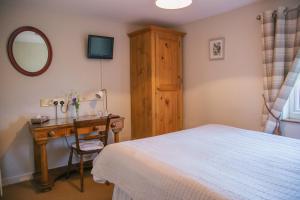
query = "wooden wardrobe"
{"x": 156, "y": 81}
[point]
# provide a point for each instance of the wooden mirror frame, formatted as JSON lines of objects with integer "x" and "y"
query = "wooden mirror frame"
{"x": 11, "y": 55}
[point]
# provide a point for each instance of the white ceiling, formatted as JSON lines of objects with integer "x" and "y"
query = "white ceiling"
{"x": 141, "y": 11}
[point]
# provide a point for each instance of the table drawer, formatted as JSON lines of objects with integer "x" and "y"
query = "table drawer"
{"x": 50, "y": 133}
{"x": 54, "y": 133}
{"x": 118, "y": 124}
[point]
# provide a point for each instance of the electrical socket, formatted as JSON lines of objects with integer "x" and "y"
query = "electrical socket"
{"x": 48, "y": 102}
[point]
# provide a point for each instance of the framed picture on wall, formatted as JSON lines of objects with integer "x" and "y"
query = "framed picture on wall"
{"x": 217, "y": 48}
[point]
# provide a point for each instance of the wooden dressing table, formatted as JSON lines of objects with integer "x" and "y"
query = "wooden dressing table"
{"x": 54, "y": 129}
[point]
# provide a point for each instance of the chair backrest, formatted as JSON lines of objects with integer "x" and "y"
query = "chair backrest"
{"x": 92, "y": 123}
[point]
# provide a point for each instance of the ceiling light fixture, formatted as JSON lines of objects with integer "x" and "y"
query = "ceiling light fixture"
{"x": 173, "y": 4}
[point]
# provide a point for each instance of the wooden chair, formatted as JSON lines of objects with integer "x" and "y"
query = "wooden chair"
{"x": 88, "y": 143}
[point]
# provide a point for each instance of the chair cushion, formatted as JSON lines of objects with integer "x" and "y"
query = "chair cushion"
{"x": 88, "y": 145}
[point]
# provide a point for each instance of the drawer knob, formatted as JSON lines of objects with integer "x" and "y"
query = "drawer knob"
{"x": 51, "y": 133}
{"x": 113, "y": 125}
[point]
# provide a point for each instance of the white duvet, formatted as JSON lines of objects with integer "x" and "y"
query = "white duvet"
{"x": 208, "y": 162}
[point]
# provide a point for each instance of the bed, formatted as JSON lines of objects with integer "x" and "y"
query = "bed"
{"x": 211, "y": 162}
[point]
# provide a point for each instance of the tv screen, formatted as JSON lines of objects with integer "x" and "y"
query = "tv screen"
{"x": 100, "y": 47}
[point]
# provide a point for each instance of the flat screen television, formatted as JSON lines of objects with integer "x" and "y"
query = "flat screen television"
{"x": 100, "y": 47}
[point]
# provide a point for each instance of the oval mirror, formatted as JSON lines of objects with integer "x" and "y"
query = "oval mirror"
{"x": 29, "y": 51}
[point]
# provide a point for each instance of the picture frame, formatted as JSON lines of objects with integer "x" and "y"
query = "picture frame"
{"x": 217, "y": 48}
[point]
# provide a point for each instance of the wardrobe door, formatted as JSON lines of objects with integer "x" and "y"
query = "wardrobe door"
{"x": 141, "y": 84}
{"x": 168, "y": 82}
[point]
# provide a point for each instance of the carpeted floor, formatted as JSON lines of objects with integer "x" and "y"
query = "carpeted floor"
{"x": 63, "y": 190}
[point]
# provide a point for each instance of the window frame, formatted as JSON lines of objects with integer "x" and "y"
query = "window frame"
{"x": 293, "y": 105}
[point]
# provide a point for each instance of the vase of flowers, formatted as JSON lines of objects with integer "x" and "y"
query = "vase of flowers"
{"x": 75, "y": 103}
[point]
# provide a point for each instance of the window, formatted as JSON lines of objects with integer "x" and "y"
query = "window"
{"x": 292, "y": 108}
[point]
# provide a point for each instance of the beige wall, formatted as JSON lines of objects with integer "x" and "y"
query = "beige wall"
{"x": 226, "y": 91}
{"x": 70, "y": 70}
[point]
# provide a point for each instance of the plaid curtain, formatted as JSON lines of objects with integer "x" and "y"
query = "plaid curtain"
{"x": 281, "y": 59}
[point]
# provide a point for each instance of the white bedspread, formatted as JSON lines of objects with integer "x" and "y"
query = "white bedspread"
{"x": 208, "y": 162}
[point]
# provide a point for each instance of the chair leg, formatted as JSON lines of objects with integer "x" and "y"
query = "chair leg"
{"x": 69, "y": 163}
{"x": 81, "y": 173}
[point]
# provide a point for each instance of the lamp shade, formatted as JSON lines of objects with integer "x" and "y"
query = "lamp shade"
{"x": 100, "y": 94}
{"x": 173, "y": 4}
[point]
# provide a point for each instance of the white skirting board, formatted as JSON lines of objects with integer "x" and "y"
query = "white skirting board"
{"x": 29, "y": 175}
{"x": 17, "y": 179}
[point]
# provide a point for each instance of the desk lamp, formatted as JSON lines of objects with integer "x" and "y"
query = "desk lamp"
{"x": 100, "y": 95}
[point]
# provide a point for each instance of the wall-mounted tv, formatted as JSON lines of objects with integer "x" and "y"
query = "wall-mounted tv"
{"x": 100, "y": 47}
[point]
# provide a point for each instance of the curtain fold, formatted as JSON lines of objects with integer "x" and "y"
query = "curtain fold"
{"x": 281, "y": 55}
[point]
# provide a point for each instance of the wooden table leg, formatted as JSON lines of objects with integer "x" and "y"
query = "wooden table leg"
{"x": 44, "y": 164}
{"x": 44, "y": 181}
{"x": 117, "y": 139}
{"x": 37, "y": 157}
{"x": 116, "y": 126}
